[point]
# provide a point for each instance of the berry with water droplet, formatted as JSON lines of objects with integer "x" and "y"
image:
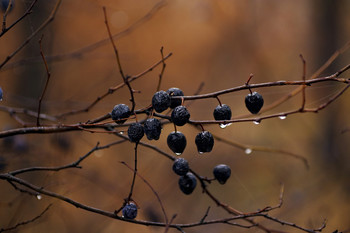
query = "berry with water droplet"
{"x": 177, "y": 142}
{"x": 174, "y": 91}
{"x": 135, "y": 132}
{"x": 120, "y": 113}
{"x": 204, "y": 141}
{"x": 180, "y": 115}
{"x": 221, "y": 173}
{"x": 187, "y": 183}
{"x": 222, "y": 112}
{"x": 254, "y": 102}
{"x": 161, "y": 101}
{"x": 152, "y": 128}
{"x": 180, "y": 166}
{"x": 130, "y": 211}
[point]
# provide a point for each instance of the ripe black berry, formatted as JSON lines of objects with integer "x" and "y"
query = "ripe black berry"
{"x": 120, "y": 113}
{"x": 180, "y": 166}
{"x": 180, "y": 115}
{"x": 254, "y": 102}
{"x": 174, "y": 91}
{"x": 1, "y": 94}
{"x": 130, "y": 211}
{"x": 187, "y": 183}
{"x": 5, "y": 3}
{"x": 222, "y": 112}
{"x": 204, "y": 141}
{"x": 177, "y": 142}
{"x": 152, "y": 128}
{"x": 135, "y": 132}
{"x": 222, "y": 172}
{"x": 161, "y": 101}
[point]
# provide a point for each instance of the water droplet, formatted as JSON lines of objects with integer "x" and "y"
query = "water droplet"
{"x": 121, "y": 132}
{"x": 223, "y": 126}
{"x": 256, "y": 122}
{"x": 39, "y": 197}
{"x": 282, "y": 117}
{"x": 178, "y": 154}
{"x": 248, "y": 151}
{"x": 200, "y": 152}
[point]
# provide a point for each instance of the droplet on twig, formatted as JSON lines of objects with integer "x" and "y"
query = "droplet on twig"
{"x": 257, "y": 122}
{"x": 223, "y": 126}
{"x": 282, "y": 117}
{"x": 248, "y": 151}
{"x": 39, "y": 197}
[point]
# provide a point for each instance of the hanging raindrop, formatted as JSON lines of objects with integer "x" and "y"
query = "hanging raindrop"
{"x": 256, "y": 122}
{"x": 248, "y": 151}
{"x": 178, "y": 154}
{"x": 39, "y": 197}
{"x": 282, "y": 117}
{"x": 223, "y": 126}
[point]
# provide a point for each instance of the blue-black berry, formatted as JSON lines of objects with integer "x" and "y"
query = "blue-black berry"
{"x": 187, "y": 183}
{"x": 177, "y": 142}
{"x": 180, "y": 115}
{"x": 135, "y": 132}
{"x": 152, "y": 128}
{"x": 161, "y": 101}
{"x": 120, "y": 113}
{"x": 181, "y": 167}
{"x": 221, "y": 173}
{"x": 174, "y": 91}
{"x": 254, "y": 102}
{"x": 204, "y": 141}
{"x": 5, "y": 3}
{"x": 130, "y": 211}
{"x": 222, "y": 112}
{"x": 1, "y": 94}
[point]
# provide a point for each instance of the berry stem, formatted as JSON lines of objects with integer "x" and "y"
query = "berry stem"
{"x": 247, "y": 83}
{"x": 134, "y": 176}
{"x": 217, "y": 97}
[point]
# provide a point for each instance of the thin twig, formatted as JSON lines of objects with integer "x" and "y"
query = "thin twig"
{"x": 134, "y": 176}
{"x": 46, "y": 83}
{"x": 162, "y": 71}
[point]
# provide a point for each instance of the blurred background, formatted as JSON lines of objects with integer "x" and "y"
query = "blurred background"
{"x": 218, "y": 43}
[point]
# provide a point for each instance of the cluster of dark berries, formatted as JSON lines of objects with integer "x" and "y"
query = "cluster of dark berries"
{"x": 187, "y": 181}
{"x": 129, "y": 211}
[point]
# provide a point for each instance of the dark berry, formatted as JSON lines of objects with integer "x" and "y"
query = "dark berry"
{"x": 129, "y": 211}
{"x": 120, "y": 113}
{"x": 135, "y": 132}
{"x": 5, "y": 3}
{"x": 222, "y": 172}
{"x": 180, "y": 166}
{"x": 1, "y": 94}
{"x": 152, "y": 128}
{"x": 187, "y": 183}
{"x": 174, "y": 91}
{"x": 254, "y": 102}
{"x": 161, "y": 101}
{"x": 177, "y": 142}
{"x": 180, "y": 115}
{"x": 204, "y": 141}
{"x": 222, "y": 112}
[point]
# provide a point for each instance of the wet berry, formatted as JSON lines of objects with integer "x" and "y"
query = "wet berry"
{"x": 222, "y": 112}
{"x": 180, "y": 115}
{"x": 120, "y": 113}
{"x": 177, "y": 142}
{"x": 129, "y": 211}
{"x": 135, "y": 132}
{"x": 152, "y": 128}
{"x": 254, "y": 102}
{"x": 221, "y": 173}
{"x": 180, "y": 166}
{"x": 187, "y": 183}
{"x": 174, "y": 91}
{"x": 161, "y": 101}
{"x": 204, "y": 141}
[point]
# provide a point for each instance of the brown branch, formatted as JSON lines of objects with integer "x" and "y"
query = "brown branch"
{"x": 27, "y": 12}
{"x": 46, "y": 83}
{"x": 28, "y": 221}
{"x": 42, "y": 26}
{"x": 10, "y": 4}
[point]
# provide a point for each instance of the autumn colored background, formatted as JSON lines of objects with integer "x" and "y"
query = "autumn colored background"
{"x": 218, "y": 43}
